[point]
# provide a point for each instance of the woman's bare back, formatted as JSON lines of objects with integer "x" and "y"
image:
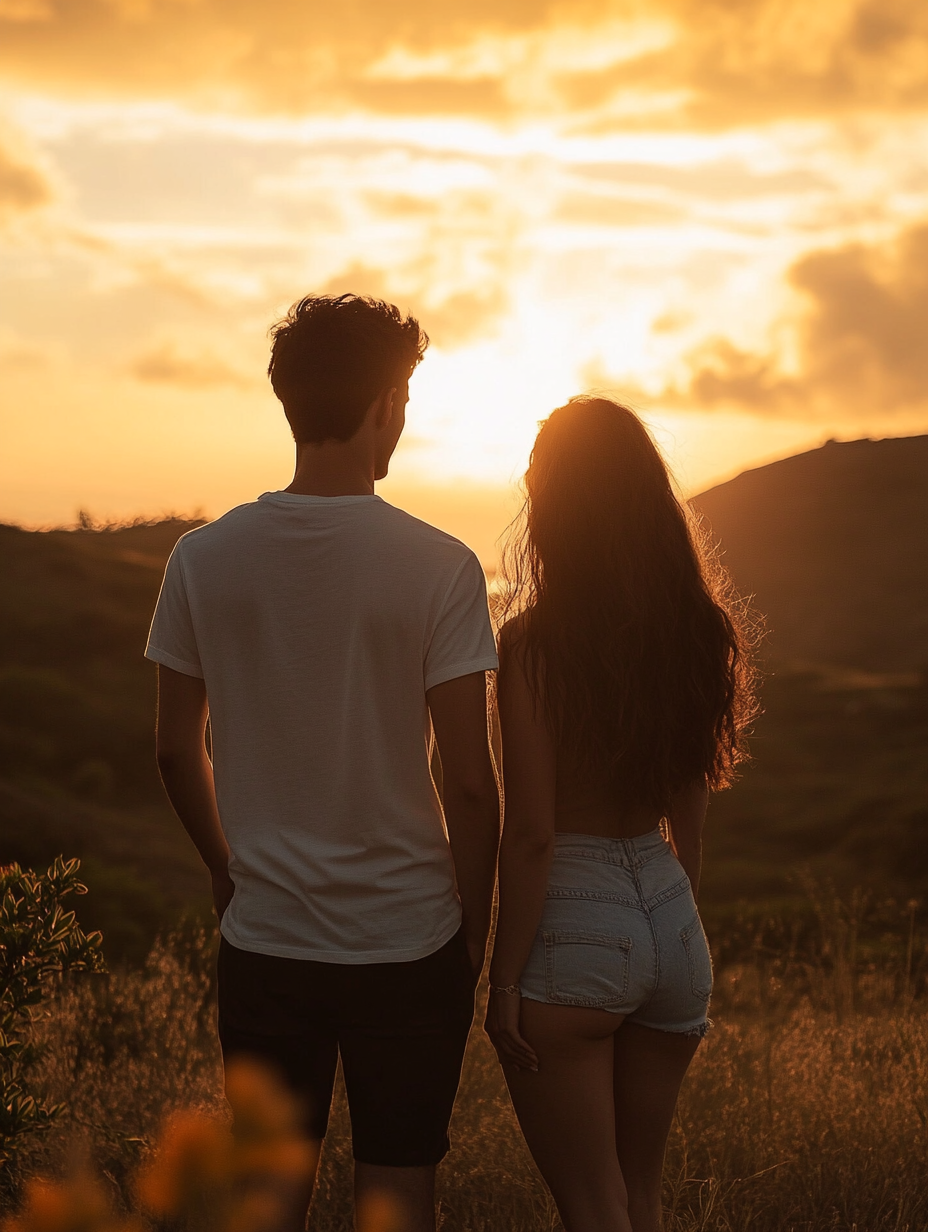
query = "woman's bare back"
{"x": 583, "y": 806}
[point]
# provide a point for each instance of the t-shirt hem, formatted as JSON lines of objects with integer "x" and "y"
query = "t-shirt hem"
{"x": 348, "y": 958}
{"x": 485, "y": 663}
{"x": 179, "y": 665}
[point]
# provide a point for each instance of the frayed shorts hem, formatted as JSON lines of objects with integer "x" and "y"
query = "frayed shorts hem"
{"x": 699, "y": 1030}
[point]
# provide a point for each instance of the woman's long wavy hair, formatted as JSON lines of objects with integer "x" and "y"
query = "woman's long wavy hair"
{"x": 637, "y": 647}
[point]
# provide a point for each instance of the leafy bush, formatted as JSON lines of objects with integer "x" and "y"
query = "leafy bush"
{"x": 39, "y": 939}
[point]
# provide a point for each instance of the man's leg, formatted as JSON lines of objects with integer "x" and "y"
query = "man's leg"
{"x": 402, "y": 1044}
{"x": 260, "y": 998}
{"x": 307, "y": 1069}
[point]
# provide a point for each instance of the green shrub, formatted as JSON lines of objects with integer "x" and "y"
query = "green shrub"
{"x": 39, "y": 939}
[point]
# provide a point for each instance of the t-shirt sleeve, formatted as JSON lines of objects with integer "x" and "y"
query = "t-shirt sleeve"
{"x": 172, "y": 640}
{"x": 462, "y": 640}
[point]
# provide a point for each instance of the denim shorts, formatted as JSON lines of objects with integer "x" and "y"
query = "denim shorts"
{"x": 620, "y": 932}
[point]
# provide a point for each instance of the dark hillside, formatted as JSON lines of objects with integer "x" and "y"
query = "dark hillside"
{"x": 76, "y": 696}
{"x": 833, "y": 545}
{"x": 77, "y": 772}
{"x": 838, "y": 788}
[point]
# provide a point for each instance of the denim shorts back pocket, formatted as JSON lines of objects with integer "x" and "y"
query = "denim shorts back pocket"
{"x": 698, "y": 959}
{"x": 586, "y": 969}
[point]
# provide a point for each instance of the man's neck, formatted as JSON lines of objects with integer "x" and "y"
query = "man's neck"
{"x": 334, "y": 468}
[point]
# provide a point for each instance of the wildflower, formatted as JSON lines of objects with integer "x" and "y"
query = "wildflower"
{"x": 78, "y": 1204}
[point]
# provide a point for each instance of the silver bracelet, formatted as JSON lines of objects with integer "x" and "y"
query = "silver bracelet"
{"x": 511, "y": 990}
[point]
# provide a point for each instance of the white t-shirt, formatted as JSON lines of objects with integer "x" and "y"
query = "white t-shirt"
{"x": 318, "y": 624}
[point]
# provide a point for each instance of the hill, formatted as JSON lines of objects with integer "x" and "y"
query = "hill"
{"x": 77, "y": 701}
{"x": 832, "y": 545}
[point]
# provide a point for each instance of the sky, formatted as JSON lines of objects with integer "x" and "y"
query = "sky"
{"x": 715, "y": 211}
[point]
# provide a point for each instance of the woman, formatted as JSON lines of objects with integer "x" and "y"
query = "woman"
{"x": 624, "y": 695}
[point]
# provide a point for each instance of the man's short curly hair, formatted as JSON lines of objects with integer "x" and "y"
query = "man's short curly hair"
{"x": 332, "y": 355}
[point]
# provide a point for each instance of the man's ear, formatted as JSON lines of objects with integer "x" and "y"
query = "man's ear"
{"x": 382, "y": 408}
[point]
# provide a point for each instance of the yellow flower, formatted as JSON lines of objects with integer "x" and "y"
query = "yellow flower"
{"x": 228, "y": 1183}
{"x": 75, "y": 1205}
{"x": 192, "y": 1161}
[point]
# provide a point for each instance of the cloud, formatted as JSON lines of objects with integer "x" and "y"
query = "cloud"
{"x": 708, "y": 63}
{"x": 758, "y": 60}
{"x": 860, "y": 343}
{"x": 722, "y": 179}
{"x": 465, "y": 317}
{"x": 166, "y": 364}
{"x": 452, "y": 320}
{"x": 283, "y": 54}
{"x": 24, "y": 184}
{"x": 25, "y": 10}
{"x": 587, "y": 210}
{"x": 25, "y": 354}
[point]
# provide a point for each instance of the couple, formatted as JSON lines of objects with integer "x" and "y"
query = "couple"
{"x": 332, "y": 642}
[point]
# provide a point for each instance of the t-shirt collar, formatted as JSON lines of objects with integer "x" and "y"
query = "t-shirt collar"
{"x": 300, "y": 498}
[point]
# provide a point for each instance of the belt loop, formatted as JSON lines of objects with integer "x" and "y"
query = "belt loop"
{"x": 631, "y": 856}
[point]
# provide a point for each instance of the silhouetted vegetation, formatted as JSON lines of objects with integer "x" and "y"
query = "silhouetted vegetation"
{"x": 803, "y": 1112}
{"x": 40, "y": 941}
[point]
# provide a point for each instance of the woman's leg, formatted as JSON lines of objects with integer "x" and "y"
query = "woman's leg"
{"x": 649, "y": 1067}
{"x": 567, "y": 1113}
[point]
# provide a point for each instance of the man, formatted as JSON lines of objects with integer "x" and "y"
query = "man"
{"x": 327, "y": 636}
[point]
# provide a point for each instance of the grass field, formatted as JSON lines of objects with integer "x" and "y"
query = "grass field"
{"x": 805, "y": 1110}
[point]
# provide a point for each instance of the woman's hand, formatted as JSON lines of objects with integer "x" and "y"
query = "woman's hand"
{"x": 502, "y": 1026}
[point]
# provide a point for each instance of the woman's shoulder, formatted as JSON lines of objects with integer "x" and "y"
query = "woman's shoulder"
{"x": 512, "y": 633}
{"x": 515, "y": 648}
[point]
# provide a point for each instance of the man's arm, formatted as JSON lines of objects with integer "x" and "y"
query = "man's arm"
{"x": 470, "y": 796}
{"x": 188, "y": 775}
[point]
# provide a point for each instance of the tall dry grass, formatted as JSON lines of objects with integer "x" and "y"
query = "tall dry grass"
{"x": 805, "y": 1110}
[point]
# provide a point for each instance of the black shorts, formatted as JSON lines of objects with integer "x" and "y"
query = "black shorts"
{"x": 401, "y": 1029}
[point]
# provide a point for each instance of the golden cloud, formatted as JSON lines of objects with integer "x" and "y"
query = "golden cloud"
{"x": 861, "y": 342}
{"x": 760, "y": 60}
{"x": 601, "y": 211}
{"x": 708, "y": 62}
{"x": 167, "y": 364}
{"x": 24, "y": 184}
{"x": 452, "y": 321}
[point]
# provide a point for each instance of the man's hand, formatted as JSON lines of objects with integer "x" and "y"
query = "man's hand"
{"x": 477, "y": 953}
{"x": 223, "y": 889}
{"x": 188, "y": 775}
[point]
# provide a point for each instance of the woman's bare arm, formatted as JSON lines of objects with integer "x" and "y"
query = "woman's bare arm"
{"x": 685, "y": 820}
{"x": 527, "y": 846}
